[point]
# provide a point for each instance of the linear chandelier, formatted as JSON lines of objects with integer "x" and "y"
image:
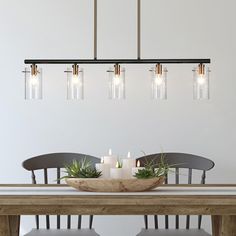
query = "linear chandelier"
{"x": 75, "y": 78}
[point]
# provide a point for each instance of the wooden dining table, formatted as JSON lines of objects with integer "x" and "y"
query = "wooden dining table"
{"x": 219, "y": 201}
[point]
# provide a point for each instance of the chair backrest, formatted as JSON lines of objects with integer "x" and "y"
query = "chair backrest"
{"x": 180, "y": 161}
{"x": 56, "y": 161}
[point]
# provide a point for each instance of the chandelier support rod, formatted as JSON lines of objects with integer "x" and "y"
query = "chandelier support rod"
{"x": 95, "y": 28}
{"x": 139, "y": 29}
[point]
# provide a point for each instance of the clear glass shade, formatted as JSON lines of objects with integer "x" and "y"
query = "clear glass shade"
{"x": 116, "y": 84}
{"x": 201, "y": 84}
{"x": 75, "y": 85}
{"x": 33, "y": 84}
{"x": 159, "y": 84}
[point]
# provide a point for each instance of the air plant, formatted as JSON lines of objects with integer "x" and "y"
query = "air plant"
{"x": 153, "y": 169}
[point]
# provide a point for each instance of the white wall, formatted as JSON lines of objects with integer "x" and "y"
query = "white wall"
{"x": 170, "y": 29}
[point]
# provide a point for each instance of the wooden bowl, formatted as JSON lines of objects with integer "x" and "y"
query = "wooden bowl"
{"x": 115, "y": 185}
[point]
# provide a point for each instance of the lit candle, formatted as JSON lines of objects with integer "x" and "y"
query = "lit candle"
{"x": 116, "y": 173}
{"x": 110, "y": 159}
{"x": 104, "y": 168}
{"x": 136, "y": 169}
{"x": 128, "y": 164}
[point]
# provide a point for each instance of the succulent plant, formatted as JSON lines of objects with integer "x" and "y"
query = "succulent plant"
{"x": 81, "y": 169}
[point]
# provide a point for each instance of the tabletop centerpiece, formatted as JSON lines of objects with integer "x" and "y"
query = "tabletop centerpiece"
{"x": 123, "y": 177}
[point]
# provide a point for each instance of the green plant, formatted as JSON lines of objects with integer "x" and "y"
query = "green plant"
{"x": 119, "y": 163}
{"x": 81, "y": 169}
{"x": 152, "y": 169}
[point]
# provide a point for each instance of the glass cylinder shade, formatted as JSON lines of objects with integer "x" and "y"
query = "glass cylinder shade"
{"x": 116, "y": 83}
{"x": 201, "y": 84}
{"x": 33, "y": 84}
{"x": 158, "y": 84}
{"x": 75, "y": 85}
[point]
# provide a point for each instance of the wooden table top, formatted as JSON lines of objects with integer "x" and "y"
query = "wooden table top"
{"x": 219, "y": 201}
{"x": 167, "y": 199}
{"x": 165, "y": 190}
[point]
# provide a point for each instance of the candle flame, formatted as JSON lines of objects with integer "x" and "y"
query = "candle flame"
{"x": 102, "y": 159}
{"x": 110, "y": 152}
{"x": 117, "y": 164}
{"x": 129, "y": 155}
{"x": 138, "y": 163}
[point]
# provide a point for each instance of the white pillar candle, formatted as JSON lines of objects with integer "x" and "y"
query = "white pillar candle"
{"x": 116, "y": 173}
{"x": 127, "y": 165}
{"x": 110, "y": 159}
{"x": 128, "y": 162}
{"x": 136, "y": 169}
{"x": 104, "y": 168}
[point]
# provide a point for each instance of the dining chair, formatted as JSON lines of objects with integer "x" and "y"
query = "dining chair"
{"x": 178, "y": 161}
{"x": 57, "y": 162}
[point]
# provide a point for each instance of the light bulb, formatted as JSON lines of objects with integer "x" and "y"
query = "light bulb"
{"x": 116, "y": 80}
{"x": 201, "y": 80}
{"x": 34, "y": 80}
{"x": 76, "y": 80}
{"x": 158, "y": 79}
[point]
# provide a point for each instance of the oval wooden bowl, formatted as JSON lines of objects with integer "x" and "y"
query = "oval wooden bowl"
{"x": 115, "y": 185}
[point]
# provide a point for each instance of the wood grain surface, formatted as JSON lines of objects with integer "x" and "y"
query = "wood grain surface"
{"x": 221, "y": 207}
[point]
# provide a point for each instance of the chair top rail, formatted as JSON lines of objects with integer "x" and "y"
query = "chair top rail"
{"x": 55, "y": 160}
{"x": 180, "y": 160}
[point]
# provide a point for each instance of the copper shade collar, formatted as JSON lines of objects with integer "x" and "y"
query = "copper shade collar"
{"x": 117, "y": 69}
{"x": 75, "y": 70}
{"x": 201, "y": 69}
{"x": 34, "y": 69}
{"x": 158, "y": 69}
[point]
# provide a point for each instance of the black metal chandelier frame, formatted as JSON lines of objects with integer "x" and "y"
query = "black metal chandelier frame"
{"x": 138, "y": 60}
